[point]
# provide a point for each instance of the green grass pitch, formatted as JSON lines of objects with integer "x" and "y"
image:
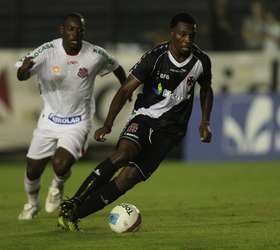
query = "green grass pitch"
{"x": 183, "y": 206}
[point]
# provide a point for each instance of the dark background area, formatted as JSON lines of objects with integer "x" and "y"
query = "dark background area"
{"x": 28, "y": 23}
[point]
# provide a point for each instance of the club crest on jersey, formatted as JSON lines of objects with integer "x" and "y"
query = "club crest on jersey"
{"x": 83, "y": 72}
{"x": 133, "y": 127}
{"x": 56, "y": 70}
{"x": 190, "y": 81}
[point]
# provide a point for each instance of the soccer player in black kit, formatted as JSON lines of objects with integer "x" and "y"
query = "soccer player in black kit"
{"x": 158, "y": 122}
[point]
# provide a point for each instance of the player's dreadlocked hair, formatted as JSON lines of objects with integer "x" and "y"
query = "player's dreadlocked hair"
{"x": 77, "y": 16}
{"x": 182, "y": 17}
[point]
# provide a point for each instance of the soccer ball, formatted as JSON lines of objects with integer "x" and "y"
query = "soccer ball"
{"x": 125, "y": 218}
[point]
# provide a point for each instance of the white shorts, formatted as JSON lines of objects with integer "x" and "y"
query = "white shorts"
{"x": 47, "y": 137}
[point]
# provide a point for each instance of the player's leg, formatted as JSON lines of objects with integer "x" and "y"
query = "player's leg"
{"x": 135, "y": 134}
{"x": 96, "y": 187}
{"x": 140, "y": 169}
{"x": 125, "y": 180}
{"x": 62, "y": 163}
{"x": 32, "y": 177}
{"x": 41, "y": 149}
{"x": 127, "y": 149}
{"x": 103, "y": 173}
{"x": 72, "y": 144}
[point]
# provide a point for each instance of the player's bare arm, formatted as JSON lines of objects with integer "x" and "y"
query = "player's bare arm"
{"x": 121, "y": 75}
{"x": 206, "y": 101}
{"x": 123, "y": 94}
{"x": 23, "y": 72}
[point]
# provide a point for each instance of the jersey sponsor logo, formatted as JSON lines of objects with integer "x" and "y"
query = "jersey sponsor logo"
{"x": 166, "y": 93}
{"x": 64, "y": 120}
{"x": 56, "y": 70}
{"x": 158, "y": 90}
{"x": 38, "y": 51}
{"x": 83, "y": 72}
{"x": 42, "y": 48}
{"x": 164, "y": 76}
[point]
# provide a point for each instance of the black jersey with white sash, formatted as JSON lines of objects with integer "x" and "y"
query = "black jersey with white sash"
{"x": 168, "y": 86}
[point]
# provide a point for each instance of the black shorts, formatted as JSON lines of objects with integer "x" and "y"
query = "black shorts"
{"x": 154, "y": 144}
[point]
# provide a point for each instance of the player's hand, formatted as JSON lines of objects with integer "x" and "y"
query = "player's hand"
{"x": 205, "y": 132}
{"x": 27, "y": 63}
{"x": 100, "y": 133}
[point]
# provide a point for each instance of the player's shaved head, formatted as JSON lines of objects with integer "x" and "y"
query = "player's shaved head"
{"x": 76, "y": 16}
{"x": 182, "y": 17}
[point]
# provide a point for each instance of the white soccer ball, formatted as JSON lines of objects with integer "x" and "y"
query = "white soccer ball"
{"x": 125, "y": 218}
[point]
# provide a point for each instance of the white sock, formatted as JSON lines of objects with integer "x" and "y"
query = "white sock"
{"x": 32, "y": 188}
{"x": 58, "y": 181}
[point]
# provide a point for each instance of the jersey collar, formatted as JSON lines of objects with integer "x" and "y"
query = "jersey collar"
{"x": 177, "y": 64}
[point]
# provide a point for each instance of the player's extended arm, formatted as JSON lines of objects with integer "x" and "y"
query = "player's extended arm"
{"x": 123, "y": 94}
{"x": 206, "y": 102}
{"x": 120, "y": 74}
{"x": 23, "y": 73}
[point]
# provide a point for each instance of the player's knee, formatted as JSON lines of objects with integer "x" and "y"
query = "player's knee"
{"x": 61, "y": 166}
{"x": 123, "y": 155}
{"x": 128, "y": 178}
{"x": 34, "y": 170}
{"x": 119, "y": 157}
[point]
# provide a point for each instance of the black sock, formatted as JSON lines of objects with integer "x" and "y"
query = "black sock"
{"x": 98, "y": 200}
{"x": 101, "y": 175}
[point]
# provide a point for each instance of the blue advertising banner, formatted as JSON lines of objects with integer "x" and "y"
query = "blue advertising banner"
{"x": 245, "y": 128}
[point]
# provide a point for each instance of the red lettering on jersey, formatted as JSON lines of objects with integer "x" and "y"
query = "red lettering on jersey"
{"x": 72, "y": 62}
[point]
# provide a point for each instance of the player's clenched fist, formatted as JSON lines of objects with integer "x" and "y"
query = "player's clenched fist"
{"x": 100, "y": 133}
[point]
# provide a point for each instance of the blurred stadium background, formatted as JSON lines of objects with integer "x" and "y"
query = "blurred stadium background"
{"x": 242, "y": 37}
{"x": 231, "y": 205}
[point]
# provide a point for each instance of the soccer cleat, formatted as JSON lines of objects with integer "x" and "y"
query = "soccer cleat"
{"x": 29, "y": 212}
{"x": 67, "y": 224}
{"x": 53, "y": 199}
{"x": 66, "y": 219}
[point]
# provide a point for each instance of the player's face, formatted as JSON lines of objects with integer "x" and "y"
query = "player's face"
{"x": 72, "y": 34}
{"x": 182, "y": 38}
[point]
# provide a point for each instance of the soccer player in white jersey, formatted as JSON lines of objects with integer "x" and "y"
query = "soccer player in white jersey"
{"x": 66, "y": 69}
